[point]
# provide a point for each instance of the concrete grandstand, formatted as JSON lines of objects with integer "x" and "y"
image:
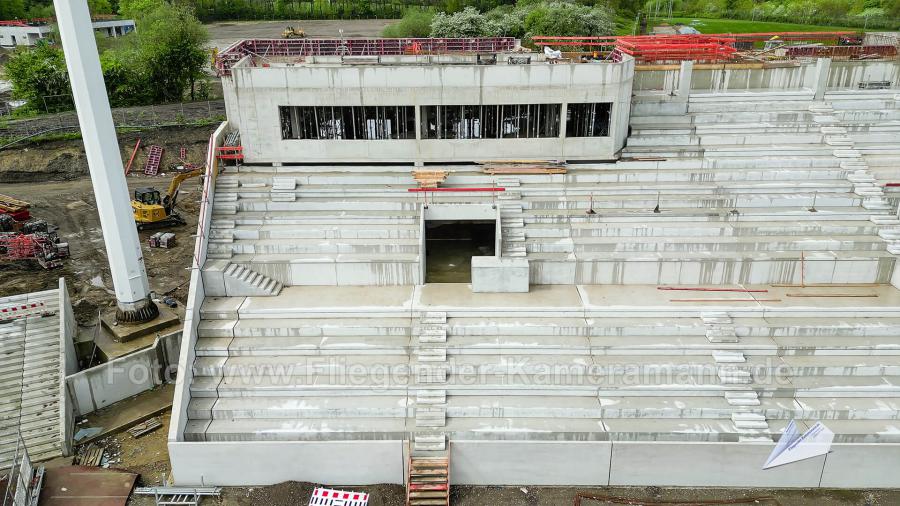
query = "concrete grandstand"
{"x": 717, "y": 259}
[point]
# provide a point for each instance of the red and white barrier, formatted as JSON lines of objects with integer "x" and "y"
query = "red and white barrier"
{"x": 21, "y": 310}
{"x": 330, "y": 497}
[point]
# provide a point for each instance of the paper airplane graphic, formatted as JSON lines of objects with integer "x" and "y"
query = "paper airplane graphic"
{"x": 793, "y": 447}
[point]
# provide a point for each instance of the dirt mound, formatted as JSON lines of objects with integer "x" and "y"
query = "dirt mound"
{"x": 64, "y": 160}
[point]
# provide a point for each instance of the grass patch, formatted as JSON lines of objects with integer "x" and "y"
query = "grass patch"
{"x": 710, "y": 25}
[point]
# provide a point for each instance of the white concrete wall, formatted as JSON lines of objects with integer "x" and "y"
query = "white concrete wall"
{"x": 579, "y": 463}
{"x": 24, "y": 35}
{"x": 196, "y": 292}
{"x": 68, "y": 363}
{"x": 788, "y": 76}
{"x": 119, "y": 379}
{"x": 270, "y": 462}
{"x": 253, "y": 95}
{"x": 848, "y": 75}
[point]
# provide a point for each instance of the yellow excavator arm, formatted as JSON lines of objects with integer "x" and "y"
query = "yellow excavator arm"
{"x": 172, "y": 192}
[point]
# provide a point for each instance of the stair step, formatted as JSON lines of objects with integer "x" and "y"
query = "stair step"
{"x": 432, "y": 354}
{"x": 433, "y": 317}
{"x": 431, "y": 397}
{"x": 728, "y": 357}
{"x": 430, "y": 442}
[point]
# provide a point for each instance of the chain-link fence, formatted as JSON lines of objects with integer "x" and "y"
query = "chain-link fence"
{"x": 149, "y": 116}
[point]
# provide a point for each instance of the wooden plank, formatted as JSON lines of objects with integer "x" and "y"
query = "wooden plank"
{"x": 524, "y": 170}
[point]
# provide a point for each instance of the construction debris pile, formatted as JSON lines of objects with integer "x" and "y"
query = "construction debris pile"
{"x": 23, "y": 239}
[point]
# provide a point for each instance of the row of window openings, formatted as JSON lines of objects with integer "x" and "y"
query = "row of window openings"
{"x": 444, "y": 122}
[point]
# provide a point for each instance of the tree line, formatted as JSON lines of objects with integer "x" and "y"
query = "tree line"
{"x": 858, "y": 13}
{"x": 163, "y": 61}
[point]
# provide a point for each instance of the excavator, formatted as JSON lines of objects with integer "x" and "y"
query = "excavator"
{"x": 154, "y": 211}
{"x": 293, "y": 33}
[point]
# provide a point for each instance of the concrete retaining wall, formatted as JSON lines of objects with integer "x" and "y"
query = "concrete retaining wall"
{"x": 196, "y": 293}
{"x": 119, "y": 379}
{"x": 68, "y": 364}
{"x": 580, "y": 463}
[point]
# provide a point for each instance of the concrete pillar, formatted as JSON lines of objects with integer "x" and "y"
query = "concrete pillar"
{"x": 823, "y": 67}
{"x": 684, "y": 80}
{"x": 563, "y": 111}
{"x": 418, "y": 161}
{"x": 126, "y": 263}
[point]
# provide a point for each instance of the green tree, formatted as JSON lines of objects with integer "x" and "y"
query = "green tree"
{"x": 126, "y": 83}
{"x": 12, "y": 9}
{"x": 171, "y": 44}
{"x": 134, "y": 9}
{"x": 565, "y": 19}
{"x": 415, "y": 23}
{"x": 465, "y": 23}
{"x": 99, "y": 7}
{"x": 37, "y": 74}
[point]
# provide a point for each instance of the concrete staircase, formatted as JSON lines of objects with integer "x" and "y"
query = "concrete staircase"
{"x": 315, "y": 228}
{"x": 30, "y": 375}
{"x": 240, "y": 280}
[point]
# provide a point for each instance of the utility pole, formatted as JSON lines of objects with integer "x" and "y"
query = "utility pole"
{"x": 126, "y": 262}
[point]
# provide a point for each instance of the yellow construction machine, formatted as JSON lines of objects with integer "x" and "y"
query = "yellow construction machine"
{"x": 293, "y": 33}
{"x": 153, "y": 211}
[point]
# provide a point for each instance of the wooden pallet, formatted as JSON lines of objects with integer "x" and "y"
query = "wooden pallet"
{"x": 429, "y": 178}
{"x": 12, "y": 205}
{"x": 145, "y": 428}
{"x": 91, "y": 455}
{"x": 428, "y": 483}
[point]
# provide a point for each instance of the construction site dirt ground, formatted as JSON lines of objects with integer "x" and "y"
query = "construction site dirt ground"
{"x": 222, "y": 34}
{"x": 54, "y": 178}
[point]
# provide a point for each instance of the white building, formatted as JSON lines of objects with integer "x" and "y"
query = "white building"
{"x": 28, "y": 34}
{"x": 37, "y": 332}
{"x": 690, "y": 287}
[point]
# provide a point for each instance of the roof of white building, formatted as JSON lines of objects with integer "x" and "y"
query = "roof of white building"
{"x": 32, "y": 374}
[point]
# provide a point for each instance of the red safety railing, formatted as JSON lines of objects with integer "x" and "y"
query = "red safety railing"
{"x": 269, "y": 48}
{"x": 713, "y": 47}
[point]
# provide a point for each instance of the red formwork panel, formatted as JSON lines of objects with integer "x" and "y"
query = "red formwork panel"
{"x": 711, "y": 47}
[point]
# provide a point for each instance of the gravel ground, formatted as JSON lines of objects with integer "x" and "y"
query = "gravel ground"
{"x": 223, "y": 34}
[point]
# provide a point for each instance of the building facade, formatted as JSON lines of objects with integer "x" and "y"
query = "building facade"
{"x": 409, "y": 109}
{"x": 14, "y": 34}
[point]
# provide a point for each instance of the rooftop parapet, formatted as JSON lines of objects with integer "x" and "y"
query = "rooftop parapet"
{"x": 282, "y": 48}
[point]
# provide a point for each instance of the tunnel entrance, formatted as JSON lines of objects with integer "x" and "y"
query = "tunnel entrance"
{"x": 450, "y": 246}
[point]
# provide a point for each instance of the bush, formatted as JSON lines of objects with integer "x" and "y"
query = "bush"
{"x": 415, "y": 23}
{"x": 38, "y": 73}
{"x": 465, "y": 23}
{"x": 558, "y": 17}
{"x": 567, "y": 19}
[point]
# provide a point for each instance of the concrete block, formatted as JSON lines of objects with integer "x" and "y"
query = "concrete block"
{"x": 862, "y": 466}
{"x": 214, "y": 277}
{"x": 513, "y": 462}
{"x": 326, "y": 462}
{"x": 712, "y": 465}
{"x": 499, "y": 275}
